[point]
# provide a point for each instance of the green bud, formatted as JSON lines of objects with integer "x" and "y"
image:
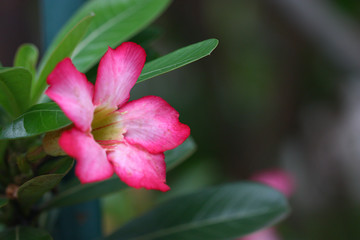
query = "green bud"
{"x": 51, "y": 143}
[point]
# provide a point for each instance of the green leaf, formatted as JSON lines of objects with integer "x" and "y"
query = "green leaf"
{"x": 15, "y": 86}
{"x": 55, "y": 165}
{"x": 84, "y": 192}
{"x": 38, "y": 119}
{"x": 79, "y": 193}
{"x": 177, "y": 59}
{"x": 31, "y": 191}
{"x": 3, "y": 202}
{"x": 178, "y": 155}
{"x": 115, "y": 21}
{"x": 25, "y": 233}
{"x": 26, "y": 57}
{"x": 61, "y": 49}
{"x": 5, "y": 117}
{"x": 223, "y": 212}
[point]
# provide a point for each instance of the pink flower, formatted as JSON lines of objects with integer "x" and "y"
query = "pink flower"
{"x": 265, "y": 234}
{"x": 281, "y": 181}
{"x": 277, "y": 179}
{"x": 111, "y": 134}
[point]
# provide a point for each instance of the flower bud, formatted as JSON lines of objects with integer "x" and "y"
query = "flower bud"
{"x": 51, "y": 143}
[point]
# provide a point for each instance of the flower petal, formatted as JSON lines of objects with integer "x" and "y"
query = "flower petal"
{"x": 70, "y": 89}
{"x": 117, "y": 73}
{"x": 138, "y": 168}
{"x": 153, "y": 124}
{"x": 92, "y": 164}
{"x": 279, "y": 179}
{"x": 264, "y": 234}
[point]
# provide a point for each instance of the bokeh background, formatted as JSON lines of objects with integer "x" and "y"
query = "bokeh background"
{"x": 282, "y": 90}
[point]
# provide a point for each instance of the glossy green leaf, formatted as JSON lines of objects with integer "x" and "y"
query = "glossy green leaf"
{"x": 3, "y": 202}
{"x": 31, "y": 191}
{"x": 15, "y": 86}
{"x": 27, "y": 57}
{"x": 25, "y": 233}
{"x": 115, "y": 21}
{"x": 178, "y": 155}
{"x": 84, "y": 192}
{"x": 223, "y": 212}
{"x": 58, "y": 51}
{"x": 178, "y": 59}
{"x": 38, "y": 119}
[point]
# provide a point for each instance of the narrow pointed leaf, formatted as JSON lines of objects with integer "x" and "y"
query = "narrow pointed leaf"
{"x": 115, "y": 22}
{"x": 223, "y": 212}
{"x": 27, "y": 57}
{"x": 38, "y": 119}
{"x": 15, "y": 86}
{"x": 84, "y": 192}
{"x": 57, "y": 52}
{"x": 25, "y": 233}
{"x": 177, "y": 59}
{"x": 31, "y": 191}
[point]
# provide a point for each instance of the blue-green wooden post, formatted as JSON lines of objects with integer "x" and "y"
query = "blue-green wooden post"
{"x": 83, "y": 221}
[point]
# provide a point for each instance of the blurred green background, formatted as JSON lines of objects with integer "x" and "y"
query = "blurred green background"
{"x": 282, "y": 90}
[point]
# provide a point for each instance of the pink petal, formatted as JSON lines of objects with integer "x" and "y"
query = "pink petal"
{"x": 117, "y": 73}
{"x": 153, "y": 124}
{"x": 73, "y": 93}
{"x": 276, "y": 178}
{"x": 92, "y": 164}
{"x": 264, "y": 234}
{"x": 138, "y": 168}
